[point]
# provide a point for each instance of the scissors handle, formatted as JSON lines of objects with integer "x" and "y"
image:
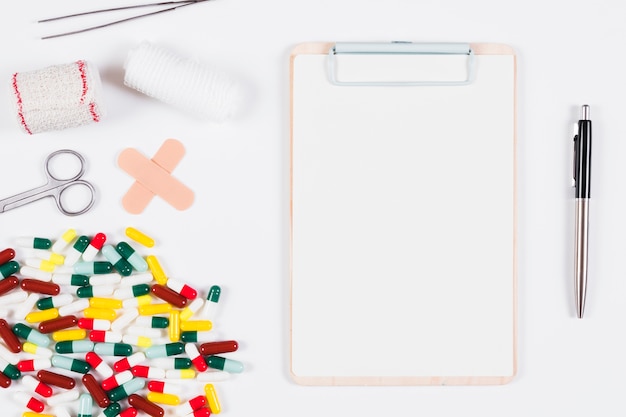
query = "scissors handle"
{"x": 58, "y": 197}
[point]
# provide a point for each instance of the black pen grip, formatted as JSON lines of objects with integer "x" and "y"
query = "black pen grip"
{"x": 583, "y": 159}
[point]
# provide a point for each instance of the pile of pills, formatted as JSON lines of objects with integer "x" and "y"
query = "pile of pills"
{"x": 91, "y": 327}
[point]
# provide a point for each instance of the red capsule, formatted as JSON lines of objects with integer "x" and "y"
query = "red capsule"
{"x": 10, "y": 339}
{"x": 58, "y": 380}
{"x": 215, "y": 348}
{"x": 148, "y": 407}
{"x": 169, "y": 296}
{"x": 97, "y": 393}
{"x": 6, "y": 255}
{"x": 41, "y": 287}
{"x": 5, "y": 381}
{"x": 8, "y": 284}
{"x": 202, "y": 412}
{"x": 60, "y": 323}
{"x": 129, "y": 412}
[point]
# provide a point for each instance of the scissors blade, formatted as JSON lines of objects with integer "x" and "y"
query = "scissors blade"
{"x": 18, "y": 200}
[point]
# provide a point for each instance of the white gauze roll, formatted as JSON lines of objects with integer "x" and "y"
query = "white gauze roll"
{"x": 189, "y": 85}
{"x": 57, "y": 97}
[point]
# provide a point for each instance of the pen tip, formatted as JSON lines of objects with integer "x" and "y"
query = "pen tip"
{"x": 585, "y": 112}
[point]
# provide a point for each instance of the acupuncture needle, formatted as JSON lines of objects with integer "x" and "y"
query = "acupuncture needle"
{"x": 178, "y": 4}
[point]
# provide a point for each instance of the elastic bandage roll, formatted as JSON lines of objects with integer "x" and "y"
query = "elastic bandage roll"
{"x": 183, "y": 83}
{"x": 57, "y": 97}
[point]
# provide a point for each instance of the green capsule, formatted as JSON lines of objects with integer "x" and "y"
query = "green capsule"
{"x": 120, "y": 264}
{"x": 214, "y": 294}
{"x": 31, "y": 335}
{"x": 140, "y": 289}
{"x": 74, "y": 346}
{"x": 132, "y": 257}
{"x": 93, "y": 268}
{"x": 224, "y": 364}
{"x": 112, "y": 410}
{"x": 45, "y": 303}
{"x": 74, "y": 365}
{"x": 126, "y": 389}
{"x": 41, "y": 243}
{"x": 113, "y": 349}
{"x": 81, "y": 244}
{"x": 168, "y": 349}
{"x": 85, "y": 292}
{"x": 9, "y": 268}
{"x": 182, "y": 363}
{"x": 9, "y": 370}
{"x": 160, "y": 322}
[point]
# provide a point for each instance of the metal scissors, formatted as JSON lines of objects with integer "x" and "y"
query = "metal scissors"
{"x": 55, "y": 187}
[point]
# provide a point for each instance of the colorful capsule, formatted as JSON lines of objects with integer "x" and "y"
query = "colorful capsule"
{"x": 69, "y": 364}
{"x": 198, "y": 361}
{"x": 95, "y": 390}
{"x": 111, "y": 411}
{"x": 127, "y": 363}
{"x": 93, "y": 268}
{"x": 60, "y": 323}
{"x": 85, "y": 405}
{"x": 9, "y": 337}
{"x": 75, "y": 252}
{"x": 105, "y": 336}
{"x": 169, "y": 296}
{"x": 42, "y": 264}
{"x": 29, "y": 365}
{"x": 126, "y": 389}
{"x": 61, "y": 300}
{"x": 191, "y": 309}
{"x": 33, "y": 349}
{"x": 197, "y": 337}
{"x": 137, "y": 279}
{"x": 212, "y": 300}
{"x": 180, "y": 374}
{"x": 139, "y": 237}
{"x": 145, "y": 405}
{"x": 33, "y": 242}
{"x": 211, "y": 397}
{"x": 94, "y": 324}
{"x": 70, "y": 279}
{"x": 58, "y": 380}
{"x": 100, "y": 313}
{"x": 117, "y": 380}
{"x": 97, "y": 364}
{"x": 224, "y": 364}
{"x": 39, "y": 316}
{"x": 75, "y": 307}
{"x": 182, "y": 288}
{"x": 175, "y": 325}
{"x": 8, "y": 284}
{"x": 34, "y": 273}
{"x": 137, "y": 340}
{"x": 36, "y": 386}
{"x": 113, "y": 349}
{"x": 9, "y": 268}
{"x": 64, "y": 241}
{"x": 102, "y": 302}
{"x": 143, "y": 371}
{"x": 163, "y": 398}
{"x": 142, "y": 300}
{"x": 29, "y": 402}
{"x": 112, "y": 278}
{"x": 120, "y": 264}
{"x": 9, "y": 370}
{"x": 196, "y": 325}
{"x": 156, "y": 269}
{"x": 165, "y": 387}
{"x": 64, "y": 397}
{"x": 172, "y": 363}
{"x": 153, "y": 309}
{"x": 51, "y": 257}
{"x": 124, "y": 319}
{"x": 130, "y": 292}
{"x": 168, "y": 349}
{"x": 94, "y": 247}
{"x": 154, "y": 322}
{"x": 192, "y": 405}
{"x": 91, "y": 291}
{"x": 71, "y": 334}
{"x": 132, "y": 257}
{"x": 30, "y": 335}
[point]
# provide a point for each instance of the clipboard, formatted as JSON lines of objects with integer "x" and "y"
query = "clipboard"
{"x": 403, "y": 214}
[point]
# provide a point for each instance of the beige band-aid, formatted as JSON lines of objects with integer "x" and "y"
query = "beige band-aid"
{"x": 153, "y": 177}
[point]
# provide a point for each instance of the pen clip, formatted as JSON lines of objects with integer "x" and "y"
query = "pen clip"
{"x": 575, "y": 159}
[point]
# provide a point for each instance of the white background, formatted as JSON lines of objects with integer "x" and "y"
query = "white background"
{"x": 236, "y": 233}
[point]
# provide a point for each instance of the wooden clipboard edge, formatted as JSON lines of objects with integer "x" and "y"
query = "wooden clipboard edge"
{"x": 479, "y": 49}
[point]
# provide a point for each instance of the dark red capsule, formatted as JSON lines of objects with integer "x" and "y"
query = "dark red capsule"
{"x": 215, "y": 348}
{"x": 8, "y": 284}
{"x": 6, "y": 255}
{"x": 5, "y": 381}
{"x": 169, "y": 296}
{"x": 148, "y": 407}
{"x": 97, "y": 393}
{"x": 10, "y": 339}
{"x": 58, "y": 380}
{"x": 60, "y": 323}
{"x": 41, "y": 287}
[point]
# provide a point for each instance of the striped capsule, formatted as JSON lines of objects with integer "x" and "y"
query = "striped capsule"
{"x": 112, "y": 278}
{"x": 73, "y": 346}
{"x": 168, "y": 349}
{"x": 33, "y": 349}
{"x": 70, "y": 279}
{"x": 111, "y": 411}
{"x": 198, "y": 337}
{"x": 85, "y": 405}
{"x": 94, "y": 324}
{"x": 127, "y": 388}
{"x": 125, "y": 319}
{"x": 135, "y": 302}
{"x": 93, "y": 268}
{"x": 180, "y": 374}
{"x": 154, "y": 322}
{"x": 100, "y": 313}
{"x": 39, "y": 316}
{"x": 94, "y": 246}
{"x": 165, "y": 387}
{"x": 58, "y": 380}
{"x": 8, "y": 284}
{"x": 130, "y": 292}
{"x": 172, "y": 363}
{"x": 33, "y": 242}
{"x": 48, "y": 303}
{"x": 125, "y": 364}
{"x": 156, "y": 269}
{"x": 9, "y": 337}
{"x": 9, "y": 370}
{"x": 70, "y": 334}
{"x": 101, "y": 302}
{"x": 175, "y": 325}
{"x": 163, "y": 398}
{"x": 9, "y": 268}
{"x": 136, "y": 261}
{"x": 144, "y": 371}
{"x": 117, "y": 380}
{"x": 95, "y": 390}
{"x": 75, "y": 252}
{"x": 63, "y": 241}
{"x": 224, "y": 364}
{"x": 31, "y": 335}
{"x": 25, "y": 400}
{"x": 29, "y": 365}
{"x": 182, "y": 288}
{"x": 34, "y": 273}
{"x": 210, "y": 306}
{"x": 191, "y": 309}
{"x": 74, "y": 307}
{"x": 198, "y": 361}
{"x": 105, "y": 336}
{"x": 148, "y": 407}
{"x": 139, "y": 237}
{"x": 97, "y": 291}
{"x": 97, "y": 364}
{"x": 36, "y": 386}
{"x": 113, "y": 349}
{"x": 212, "y": 399}
{"x": 69, "y": 364}
{"x": 192, "y": 405}
{"x": 120, "y": 264}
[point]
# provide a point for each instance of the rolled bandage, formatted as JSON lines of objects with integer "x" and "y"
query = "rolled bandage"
{"x": 183, "y": 83}
{"x": 57, "y": 97}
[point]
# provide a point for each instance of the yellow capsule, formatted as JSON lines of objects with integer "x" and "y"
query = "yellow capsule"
{"x": 139, "y": 237}
{"x": 69, "y": 235}
{"x": 180, "y": 374}
{"x": 211, "y": 397}
{"x": 72, "y": 334}
{"x": 32, "y": 348}
{"x": 155, "y": 268}
{"x": 47, "y": 266}
{"x": 152, "y": 309}
{"x": 37, "y": 316}
{"x": 143, "y": 341}
{"x": 174, "y": 326}
{"x": 143, "y": 300}
{"x": 162, "y": 398}
{"x": 31, "y": 414}
{"x": 99, "y": 302}
{"x": 100, "y": 313}
{"x": 196, "y": 325}
{"x": 57, "y": 259}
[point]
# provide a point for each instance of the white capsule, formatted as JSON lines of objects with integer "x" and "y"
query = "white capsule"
{"x": 137, "y": 340}
{"x": 46, "y": 255}
{"x": 173, "y": 387}
{"x": 35, "y": 273}
{"x": 180, "y": 374}
{"x": 124, "y": 319}
{"x": 22, "y": 398}
{"x": 25, "y": 307}
{"x": 123, "y": 293}
{"x": 7, "y": 355}
{"x": 62, "y": 278}
{"x": 136, "y": 358}
{"x": 101, "y": 324}
{"x": 144, "y": 331}
{"x": 212, "y": 376}
{"x": 191, "y": 309}
{"x": 155, "y": 373}
{"x": 111, "y": 337}
{"x": 63, "y": 397}
{"x": 71, "y": 257}
{"x": 105, "y": 279}
{"x": 41, "y": 264}
{"x": 63, "y": 241}
{"x": 13, "y": 297}
{"x": 136, "y": 279}
{"x": 30, "y": 382}
{"x": 102, "y": 290}
{"x": 61, "y": 411}
{"x": 137, "y": 301}
{"x": 42, "y": 363}
{"x": 41, "y": 351}
{"x": 75, "y": 307}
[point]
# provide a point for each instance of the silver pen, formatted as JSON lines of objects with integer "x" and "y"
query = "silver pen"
{"x": 582, "y": 182}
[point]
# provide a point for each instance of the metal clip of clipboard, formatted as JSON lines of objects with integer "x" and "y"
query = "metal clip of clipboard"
{"x": 401, "y": 48}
